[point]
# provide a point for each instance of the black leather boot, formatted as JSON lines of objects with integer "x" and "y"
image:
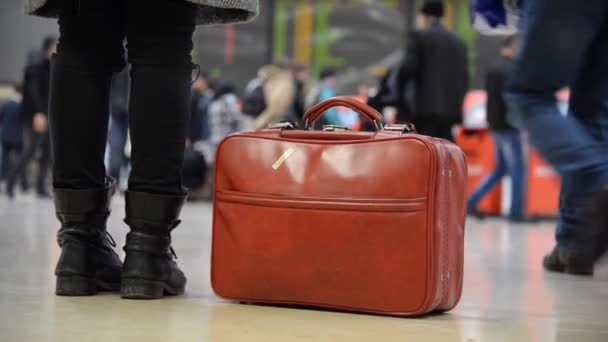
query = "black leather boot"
{"x": 591, "y": 241}
{"x": 150, "y": 270}
{"x": 88, "y": 263}
{"x": 568, "y": 261}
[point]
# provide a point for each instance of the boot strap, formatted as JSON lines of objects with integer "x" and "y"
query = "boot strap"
{"x": 151, "y": 244}
{"x": 84, "y": 201}
{"x": 98, "y": 238}
{"x": 153, "y": 208}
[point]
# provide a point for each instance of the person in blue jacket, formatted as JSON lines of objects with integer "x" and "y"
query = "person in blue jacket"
{"x": 12, "y": 131}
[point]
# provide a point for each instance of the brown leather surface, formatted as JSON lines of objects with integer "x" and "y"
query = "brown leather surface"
{"x": 353, "y": 221}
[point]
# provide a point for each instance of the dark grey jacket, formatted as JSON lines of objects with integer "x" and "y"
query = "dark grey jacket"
{"x": 209, "y": 11}
{"x": 436, "y": 64}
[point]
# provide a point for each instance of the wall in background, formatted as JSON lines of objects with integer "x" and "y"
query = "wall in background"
{"x": 19, "y": 34}
{"x": 352, "y": 35}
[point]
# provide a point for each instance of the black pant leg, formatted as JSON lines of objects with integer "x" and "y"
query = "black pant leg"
{"x": 90, "y": 50}
{"x": 159, "y": 44}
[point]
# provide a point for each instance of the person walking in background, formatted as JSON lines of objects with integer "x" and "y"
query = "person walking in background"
{"x": 279, "y": 92}
{"x": 119, "y": 124}
{"x": 12, "y": 133}
{"x": 436, "y": 64}
{"x": 565, "y": 43}
{"x": 34, "y": 115}
{"x": 301, "y": 75}
{"x": 90, "y": 50}
{"x": 224, "y": 117}
{"x": 195, "y": 165}
{"x": 326, "y": 89}
{"x": 507, "y": 140}
{"x": 386, "y": 99}
{"x": 199, "y": 118}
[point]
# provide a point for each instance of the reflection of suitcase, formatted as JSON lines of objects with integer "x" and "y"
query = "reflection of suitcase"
{"x": 358, "y": 221}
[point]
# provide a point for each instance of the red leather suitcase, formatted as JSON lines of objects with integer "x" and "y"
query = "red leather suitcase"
{"x": 356, "y": 221}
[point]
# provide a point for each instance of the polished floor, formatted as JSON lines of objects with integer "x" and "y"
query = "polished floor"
{"x": 507, "y": 296}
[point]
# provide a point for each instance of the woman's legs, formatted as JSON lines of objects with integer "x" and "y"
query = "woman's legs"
{"x": 159, "y": 44}
{"x": 89, "y": 51}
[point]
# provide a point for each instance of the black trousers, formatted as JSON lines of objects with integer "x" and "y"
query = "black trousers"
{"x": 91, "y": 46}
{"x": 37, "y": 143}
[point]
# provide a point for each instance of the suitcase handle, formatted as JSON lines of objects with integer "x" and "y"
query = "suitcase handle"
{"x": 364, "y": 110}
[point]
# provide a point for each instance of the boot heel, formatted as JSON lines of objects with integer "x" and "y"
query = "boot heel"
{"x": 75, "y": 286}
{"x": 141, "y": 289}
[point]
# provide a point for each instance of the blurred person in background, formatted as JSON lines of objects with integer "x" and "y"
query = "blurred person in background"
{"x": 195, "y": 164}
{"x": 301, "y": 75}
{"x": 365, "y": 89}
{"x": 225, "y": 116}
{"x": 565, "y": 43}
{"x": 119, "y": 124}
{"x": 199, "y": 118}
{"x": 507, "y": 140}
{"x": 352, "y": 119}
{"x": 12, "y": 133}
{"x": 326, "y": 89}
{"x": 90, "y": 50}
{"x": 34, "y": 115}
{"x": 436, "y": 64}
{"x": 388, "y": 98}
{"x": 278, "y": 86}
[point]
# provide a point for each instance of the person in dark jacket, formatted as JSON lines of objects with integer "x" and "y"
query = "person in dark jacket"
{"x": 12, "y": 133}
{"x": 387, "y": 96}
{"x": 507, "y": 139}
{"x": 301, "y": 76}
{"x": 90, "y": 51}
{"x": 199, "y": 118}
{"x": 34, "y": 115}
{"x": 436, "y": 64}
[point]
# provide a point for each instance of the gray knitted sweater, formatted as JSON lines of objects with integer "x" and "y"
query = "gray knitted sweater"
{"x": 209, "y": 11}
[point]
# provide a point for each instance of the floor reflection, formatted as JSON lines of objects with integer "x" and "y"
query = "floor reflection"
{"x": 507, "y": 296}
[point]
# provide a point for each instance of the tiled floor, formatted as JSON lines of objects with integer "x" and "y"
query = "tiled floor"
{"x": 507, "y": 296}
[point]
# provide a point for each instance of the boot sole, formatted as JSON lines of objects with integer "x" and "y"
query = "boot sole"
{"x": 76, "y": 286}
{"x": 575, "y": 272}
{"x": 147, "y": 289}
{"x": 554, "y": 268}
{"x": 579, "y": 271}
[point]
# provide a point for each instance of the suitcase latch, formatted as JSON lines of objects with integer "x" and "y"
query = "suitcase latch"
{"x": 401, "y": 128}
{"x": 335, "y": 128}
